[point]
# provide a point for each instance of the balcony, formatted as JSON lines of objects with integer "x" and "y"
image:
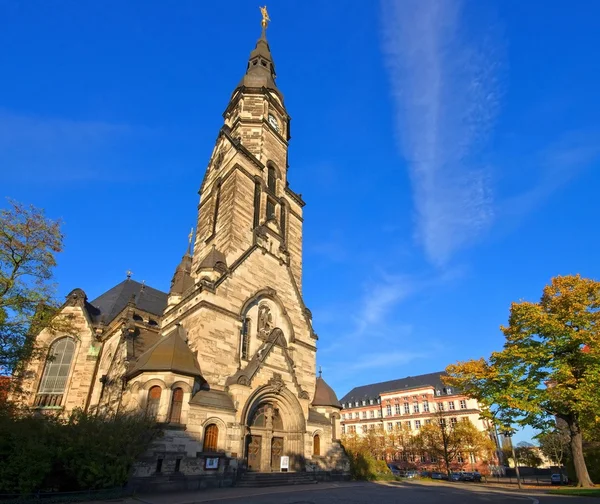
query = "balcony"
{"x": 48, "y": 401}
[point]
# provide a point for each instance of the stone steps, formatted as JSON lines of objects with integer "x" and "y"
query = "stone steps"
{"x": 253, "y": 479}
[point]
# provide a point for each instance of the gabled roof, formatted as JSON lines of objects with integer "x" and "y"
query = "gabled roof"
{"x": 374, "y": 390}
{"x": 169, "y": 353}
{"x": 215, "y": 399}
{"x": 108, "y": 305}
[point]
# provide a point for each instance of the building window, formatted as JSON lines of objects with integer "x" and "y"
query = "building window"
{"x": 364, "y": 403}
{"x": 343, "y": 429}
{"x": 177, "y": 465}
{"x": 317, "y": 445}
{"x": 56, "y": 372}
{"x": 389, "y": 410}
{"x": 397, "y": 409}
{"x": 364, "y": 429}
{"x": 428, "y": 422}
{"x": 283, "y": 221}
{"x": 450, "y": 405}
{"x": 390, "y": 426}
{"x": 426, "y": 406}
{"x": 433, "y": 459}
{"x": 463, "y": 404}
{"x": 211, "y": 436}
{"x": 364, "y": 414}
{"x": 159, "y": 464}
{"x": 406, "y": 408}
{"x": 370, "y": 401}
{"x": 176, "y": 403}
{"x": 417, "y": 424}
{"x": 356, "y": 415}
{"x": 356, "y": 404}
{"x": 415, "y": 407}
{"x": 459, "y": 458}
{"x": 153, "y": 401}
{"x": 271, "y": 178}
{"x": 353, "y": 428}
{"x": 398, "y": 425}
{"x": 256, "y": 204}
{"x": 246, "y": 338}
{"x": 270, "y": 209}
{"x": 408, "y": 425}
{"x": 372, "y": 415}
{"x": 441, "y": 406}
{"x": 371, "y": 427}
{"x": 453, "y": 421}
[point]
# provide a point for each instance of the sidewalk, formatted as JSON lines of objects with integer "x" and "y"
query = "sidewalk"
{"x": 218, "y": 494}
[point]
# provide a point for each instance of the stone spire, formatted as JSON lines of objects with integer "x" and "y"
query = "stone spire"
{"x": 261, "y": 69}
{"x": 182, "y": 279}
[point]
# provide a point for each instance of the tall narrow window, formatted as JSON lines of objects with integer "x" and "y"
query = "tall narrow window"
{"x": 283, "y": 224}
{"x": 176, "y": 403}
{"x": 153, "y": 400}
{"x": 216, "y": 209}
{"x": 246, "y": 338}
{"x": 256, "y": 204}
{"x": 211, "y": 436}
{"x": 270, "y": 209}
{"x": 271, "y": 178}
{"x": 56, "y": 372}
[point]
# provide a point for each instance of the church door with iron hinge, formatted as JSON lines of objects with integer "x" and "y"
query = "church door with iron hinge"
{"x": 276, "y": 453}
{"x": 254, "y": 451}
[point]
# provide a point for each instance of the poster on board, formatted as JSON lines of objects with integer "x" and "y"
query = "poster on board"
{"x": 211, "y": 463}
{"x": 285, "y": 463}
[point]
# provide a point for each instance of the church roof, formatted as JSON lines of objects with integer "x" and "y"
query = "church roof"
{"x": 216, "y": 399}
{"x": 213, "y": 259}
{"x": 108, "y": 305}
{"x": 314, "y": 417}
{"x": 169, "y": 353}
{"x": 324, "y": 395}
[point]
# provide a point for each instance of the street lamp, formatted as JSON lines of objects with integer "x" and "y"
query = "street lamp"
{"x": 507, "y": 433}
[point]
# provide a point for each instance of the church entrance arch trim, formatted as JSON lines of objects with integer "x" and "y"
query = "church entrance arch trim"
{"x": 274, "y": 425}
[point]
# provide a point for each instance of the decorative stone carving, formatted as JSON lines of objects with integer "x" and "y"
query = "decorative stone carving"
{"x": 303, "y": 395}
{"x": 265, "y": 321}
{"x": 277, "y": 383}
{"x": 243, "y": 380}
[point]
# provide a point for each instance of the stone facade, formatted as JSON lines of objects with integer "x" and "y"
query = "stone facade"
{"x": 227, "y": 359}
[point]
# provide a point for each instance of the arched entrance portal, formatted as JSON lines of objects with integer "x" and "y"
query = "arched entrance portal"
{"x": 274, "y": 427}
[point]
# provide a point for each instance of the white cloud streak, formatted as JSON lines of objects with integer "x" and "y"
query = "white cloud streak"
{"x": 445, "y": 92}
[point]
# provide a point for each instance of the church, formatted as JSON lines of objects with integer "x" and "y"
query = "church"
{"x": 226, "y": 360}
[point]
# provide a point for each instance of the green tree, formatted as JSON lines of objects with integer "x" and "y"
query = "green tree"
{"x": 29, "y": 242}
{"x": 554, "y": 444}
{"x": 528, "y": 455}
{"x": 549, "y": 367}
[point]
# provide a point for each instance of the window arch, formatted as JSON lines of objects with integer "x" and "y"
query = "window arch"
{"x": 246, "y": 338}
{"x": 176, "y": 404}
{"x": 317, "y": 445}
{"x": 56, "y": 370}
{"x": 271, "y": 178}
{"x": 153, "y": 400}
{"x": 211, "y": 437}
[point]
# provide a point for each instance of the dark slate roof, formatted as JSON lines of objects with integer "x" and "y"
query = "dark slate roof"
{"x": 324, "y": 395}
{"x": 108, "y": 305}
{"x": 169, "y": 353}
{"x": 215, "y": 399}
{"x": 410, "y": 382}
{"x": 314, "y": 417}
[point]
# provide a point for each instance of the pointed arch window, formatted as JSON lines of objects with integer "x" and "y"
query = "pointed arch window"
{"x": 256, "y": 204}
{"x": 246, "y": 338}
{"x": 153, "y": 402}
{"x": 211, "y": 437}
{"x": 216, "y": 207}
{"x": 283, "y": 221}
{"x": 271, "y": 178}
{"x": 176, "y": 404}
{"x": 56, "y": 372}
{"x": 317, "y": 445}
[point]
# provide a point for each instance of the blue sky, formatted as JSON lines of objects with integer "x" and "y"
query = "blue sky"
{"x": 448, "y": 153}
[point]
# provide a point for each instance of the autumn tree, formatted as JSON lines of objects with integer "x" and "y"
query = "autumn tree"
{"x": 549, "y": 367}
{"x": 29, "y": 242}
{"x": 528, "y": 455}
{"x": 554, "y": 444}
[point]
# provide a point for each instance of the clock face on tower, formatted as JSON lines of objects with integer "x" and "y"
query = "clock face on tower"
{"x": 273, "y": 122}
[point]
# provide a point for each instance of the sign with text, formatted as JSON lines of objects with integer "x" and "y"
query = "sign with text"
{"x": 284, "y": 465}
{"x": 211, "y": 463}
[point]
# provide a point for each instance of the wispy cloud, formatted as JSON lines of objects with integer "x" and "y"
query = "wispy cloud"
{"x": 445, "y": 87}
{"x": 43, "y": 149}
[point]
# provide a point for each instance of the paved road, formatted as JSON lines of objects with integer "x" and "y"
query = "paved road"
{"x": 367, "y": 493}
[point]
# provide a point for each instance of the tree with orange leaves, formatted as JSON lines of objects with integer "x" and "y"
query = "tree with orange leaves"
{"x": 549, "y": 367}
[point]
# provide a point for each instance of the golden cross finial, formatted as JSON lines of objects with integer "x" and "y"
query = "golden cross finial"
{"x": 265, "y": 17}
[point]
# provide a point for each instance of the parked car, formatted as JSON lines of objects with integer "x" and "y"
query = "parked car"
{"x": 425, "y": 474}
{"x": 411, "y": 474}
{"x": 455, "y": 476}
{"x": 439, "y": 476}
{"x": 559, "y": 479}
{"x": 395, "y": 470}
{"x": 471, "y": 476}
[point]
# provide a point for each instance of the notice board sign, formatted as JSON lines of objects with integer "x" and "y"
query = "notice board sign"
{"x": 211, "y": 463}
{"x": 284, "y": 464}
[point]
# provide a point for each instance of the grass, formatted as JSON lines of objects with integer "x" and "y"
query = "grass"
{"x": 582, "y": 492}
